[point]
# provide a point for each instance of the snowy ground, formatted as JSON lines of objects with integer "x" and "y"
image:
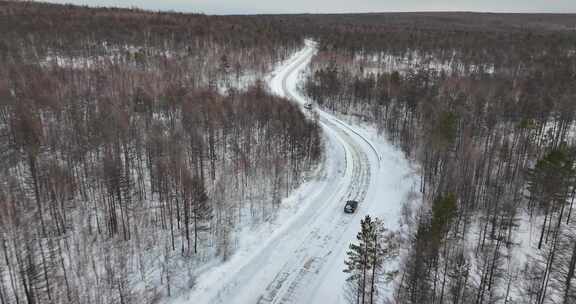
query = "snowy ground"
{"x": 299, "y": 257}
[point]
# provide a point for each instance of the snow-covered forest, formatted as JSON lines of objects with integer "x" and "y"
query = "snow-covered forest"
{"x": 156, "y": 157}
{"x": 487, "y": 111}
{"x": 133, "y": 145}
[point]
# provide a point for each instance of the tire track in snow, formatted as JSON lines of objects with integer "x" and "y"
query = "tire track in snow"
{"x": 317, "y": 246}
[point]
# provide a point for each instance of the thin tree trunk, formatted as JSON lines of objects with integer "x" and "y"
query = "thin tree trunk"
{"x": 33, "y": 172}
{"x": 374, "y": 265}
{"x": 364, "y": 270}
{"x": 570, "y": 275}
{"x": 45, "y": 267}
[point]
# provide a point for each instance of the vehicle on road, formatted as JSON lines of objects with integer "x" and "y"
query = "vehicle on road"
{"x": 308, "y": 106}
{"x": 350, "y": 207}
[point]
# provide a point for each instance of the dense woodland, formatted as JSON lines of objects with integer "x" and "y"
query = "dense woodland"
{"x": 133, "y": 145}
{"x": 485, "y": 105}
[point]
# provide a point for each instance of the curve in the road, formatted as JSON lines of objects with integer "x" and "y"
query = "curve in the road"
{"x": 297, "y": 65}
{"x": 296, "y": 255}
{"x": 316, "y": 248}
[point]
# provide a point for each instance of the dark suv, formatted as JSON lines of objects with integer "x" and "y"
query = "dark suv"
{"x": 350, "y": 207}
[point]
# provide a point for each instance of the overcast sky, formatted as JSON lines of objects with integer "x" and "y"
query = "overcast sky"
{"x": 337, "y": 6}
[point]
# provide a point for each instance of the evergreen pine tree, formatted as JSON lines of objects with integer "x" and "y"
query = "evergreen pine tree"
{"x": 366, "y": 258}
{"x": 443, "y": 211}
{"x": 549, "y": 184}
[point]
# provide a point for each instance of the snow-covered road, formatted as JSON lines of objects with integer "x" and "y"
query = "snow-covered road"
{"x": 302, "y": 259}
{"x": 325, "y": 230}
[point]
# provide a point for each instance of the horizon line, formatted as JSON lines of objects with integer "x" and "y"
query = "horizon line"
{"x": 256, "y": 13}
